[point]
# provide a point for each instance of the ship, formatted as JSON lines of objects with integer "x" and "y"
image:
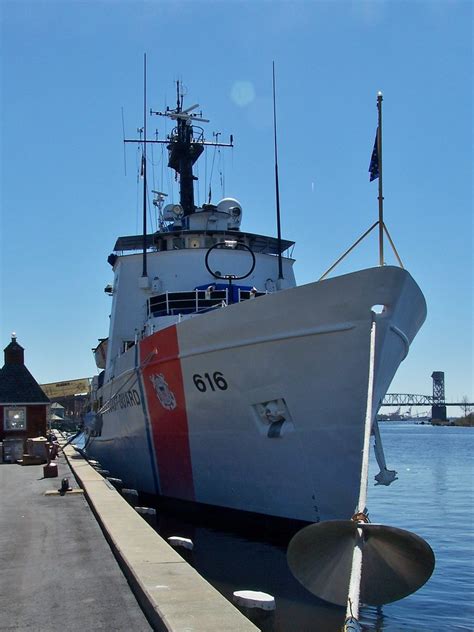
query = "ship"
{"x": 222, "y": 382}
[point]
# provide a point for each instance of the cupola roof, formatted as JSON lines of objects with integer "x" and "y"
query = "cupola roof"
{"x": 17, "y": 385}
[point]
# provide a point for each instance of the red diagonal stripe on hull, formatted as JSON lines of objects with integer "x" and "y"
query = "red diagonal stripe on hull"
{"x": 163, "y": 380}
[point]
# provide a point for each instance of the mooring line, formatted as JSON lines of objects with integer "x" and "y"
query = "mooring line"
{"x": 352, "y": 609}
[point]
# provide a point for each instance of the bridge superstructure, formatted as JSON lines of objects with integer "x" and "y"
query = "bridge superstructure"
{"x": 437, "y": 400}
{"x": 410, "y": 399}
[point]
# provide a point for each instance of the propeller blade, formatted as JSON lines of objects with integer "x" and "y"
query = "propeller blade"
{"x": 395, "y": 562}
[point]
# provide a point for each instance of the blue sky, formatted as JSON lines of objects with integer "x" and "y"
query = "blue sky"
{"x": 68, "y": 68}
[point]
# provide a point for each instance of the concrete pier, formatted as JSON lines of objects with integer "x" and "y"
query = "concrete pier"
{"x": 58, "y": 571}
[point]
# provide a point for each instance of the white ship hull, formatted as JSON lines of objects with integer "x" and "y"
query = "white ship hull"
{"x": 260, "y": 406}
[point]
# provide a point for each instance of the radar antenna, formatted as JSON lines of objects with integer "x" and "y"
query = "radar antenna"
{"x": 178, "y": 113}
{"x": 185, "y": 145}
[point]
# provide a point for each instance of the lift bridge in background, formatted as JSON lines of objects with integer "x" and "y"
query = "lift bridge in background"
{"x": 437, "y": 400}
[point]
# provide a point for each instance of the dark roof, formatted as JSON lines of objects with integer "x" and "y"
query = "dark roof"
{"x": 258, "y": 243}
{"x": 18, "y": 386}
{"x": 14, "y": 353}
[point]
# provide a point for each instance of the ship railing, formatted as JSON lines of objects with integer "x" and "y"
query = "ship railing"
{"x": 195, "y": 301}
{"x": 245, "y": 295}
{"x": 197, "y": 138}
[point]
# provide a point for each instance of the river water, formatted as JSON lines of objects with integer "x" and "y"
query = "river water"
{"x": 433, "y": 497}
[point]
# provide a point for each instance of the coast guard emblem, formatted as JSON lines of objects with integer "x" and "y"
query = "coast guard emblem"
{"x": 162, "y": 390}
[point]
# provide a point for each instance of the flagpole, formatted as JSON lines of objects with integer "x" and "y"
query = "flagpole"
{"x": 379, "y": 152}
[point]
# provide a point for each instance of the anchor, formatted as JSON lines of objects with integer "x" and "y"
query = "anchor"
{"x": 348, "y": 562}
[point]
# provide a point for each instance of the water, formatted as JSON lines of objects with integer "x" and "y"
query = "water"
{"x": 433, "y": 498}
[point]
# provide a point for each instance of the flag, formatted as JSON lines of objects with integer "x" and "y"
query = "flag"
{"x": 374, "y": 161}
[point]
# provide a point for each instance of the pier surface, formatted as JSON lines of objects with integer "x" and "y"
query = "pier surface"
{"x": 58, "y": 570}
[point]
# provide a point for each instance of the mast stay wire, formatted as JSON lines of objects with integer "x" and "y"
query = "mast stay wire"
{"x": 222, "y": 171}
{"x": 150, "y": 205}
{"x": 138, "y": 156}
{"x": 212, "y": 171}
{"x": 197, "y": 183}
{"x": 124, "y": 152}
{"x": 157, "y": 162}
{"x": 162, "y": 169}
{"x": 139, "y": 165}
{"x": 169, "y": 179}
{"x": 205, "y": 173}
{"x": 150, "y": 217}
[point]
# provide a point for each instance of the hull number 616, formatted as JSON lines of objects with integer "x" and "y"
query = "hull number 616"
{"x": 207, "y": 381}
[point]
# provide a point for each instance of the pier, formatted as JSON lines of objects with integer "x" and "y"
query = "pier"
{"x": 58, "y": 572}
{"x": 86, "y": 561}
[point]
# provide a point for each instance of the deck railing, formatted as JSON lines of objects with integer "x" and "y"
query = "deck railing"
{"x": 195, "y": 301}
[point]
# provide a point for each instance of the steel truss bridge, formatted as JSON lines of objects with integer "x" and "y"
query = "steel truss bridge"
{"x": 407, "y": 399}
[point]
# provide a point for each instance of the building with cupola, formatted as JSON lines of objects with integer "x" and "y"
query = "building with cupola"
{"x": 24, "y": 407}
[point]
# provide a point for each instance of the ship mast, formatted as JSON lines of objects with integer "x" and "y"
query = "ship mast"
{"x": 185, "y": 145}
{"x": 185, "y": 149}
{"x": 183, "y": 153}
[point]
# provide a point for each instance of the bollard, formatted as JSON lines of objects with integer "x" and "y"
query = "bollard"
{"x": 64, "y": 486}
